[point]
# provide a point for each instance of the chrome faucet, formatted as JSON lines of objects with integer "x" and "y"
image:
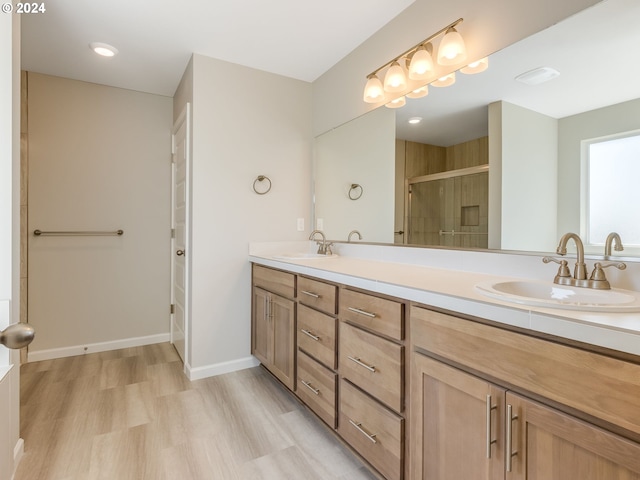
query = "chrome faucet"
{"x": 611, "y": 238}
{"x": 354, "y": 232}
{"x": 598, "y": 279}
{"x": 324, "y": 247}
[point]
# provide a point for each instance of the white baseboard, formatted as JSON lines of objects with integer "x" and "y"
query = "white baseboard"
{"x": 220, "y": 368}
{"x": 18, "y": 451}
{"x": 71, "y": 351}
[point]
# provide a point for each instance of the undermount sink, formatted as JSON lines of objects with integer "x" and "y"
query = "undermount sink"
{"x": 547, "y": 294}
{"x": 302, "y": 256}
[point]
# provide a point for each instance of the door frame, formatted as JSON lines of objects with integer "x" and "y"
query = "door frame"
{"x": 185, "y": 116}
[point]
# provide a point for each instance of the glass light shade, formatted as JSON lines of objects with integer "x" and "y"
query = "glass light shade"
{"x": 419, "y": 92}
{"x": 452, "y": 49}
{"x": 421, "y": 66}
{"x": 395, "y": 80}
{"x": 373, "y": 90}
{"x": 445, "y": 81}
{"x": 476, "y": 67}
{"x": 397, "y": 103}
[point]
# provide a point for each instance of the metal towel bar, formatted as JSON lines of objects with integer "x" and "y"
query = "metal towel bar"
{"x": 40, "y": 233}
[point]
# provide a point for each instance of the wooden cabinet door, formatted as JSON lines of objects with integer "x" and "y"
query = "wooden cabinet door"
{"x": 456, "y": 424}
{"x": 549, "y": 445}
{"x": 262, "y": 340}
{"x": 284, "y": 340}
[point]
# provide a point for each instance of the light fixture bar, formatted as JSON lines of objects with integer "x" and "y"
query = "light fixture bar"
{"x": 415, "y": 47}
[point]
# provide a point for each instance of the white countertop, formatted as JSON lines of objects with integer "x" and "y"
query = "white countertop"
{"x": 454, "y": 290}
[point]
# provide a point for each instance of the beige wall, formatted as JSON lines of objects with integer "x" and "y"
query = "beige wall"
{"x": 245, "y": 123}
{"x": 99, "y": 160}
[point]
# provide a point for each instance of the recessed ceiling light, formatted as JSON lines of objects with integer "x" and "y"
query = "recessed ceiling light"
{"x": 414, "y": 120}
{"x": 103, "y": 49}
{"x": 538, "y": 76}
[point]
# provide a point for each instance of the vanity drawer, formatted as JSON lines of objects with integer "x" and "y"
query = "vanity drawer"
{"x": 372, "y": 430}
{"x": 317, "y": 388}
{"x": 317, "y": 335}
{"x": 373, "y": 313}
{"x": 275, "y": 281}
{"x": 316, "y": 294}
{"x": 374, "y": 364}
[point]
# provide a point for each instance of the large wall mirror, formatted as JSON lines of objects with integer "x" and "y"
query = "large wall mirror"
{"x": 493, "y": 163}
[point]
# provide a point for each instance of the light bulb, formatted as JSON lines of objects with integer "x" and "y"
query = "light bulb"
{"x": 373, "y": 91}
{"x": 421, "y": 65}
{"x": 419, "y": 92}
{"x": 476, "y": 67}
{"x": 395, "y": 80}
{"x": 452, "y": 49}
{"x": 396, "y": 103}
{"x": 445, "y": 81}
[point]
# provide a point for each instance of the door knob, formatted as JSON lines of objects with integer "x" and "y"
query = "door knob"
{"x": 180, "y": 253}
{"x": 17, "y": 336}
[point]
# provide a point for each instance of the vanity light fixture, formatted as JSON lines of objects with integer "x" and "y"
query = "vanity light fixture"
{"x": 476, "y": 67}
{"x": 417, "y": 63}
{"x": 445, "y": 81}
{"x": 103, "y": 49}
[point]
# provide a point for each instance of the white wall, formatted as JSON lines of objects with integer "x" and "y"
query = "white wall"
{"x": 488, "y": 26}
{"x": 357, "y": 152}
{"x": 622, "y": 117}
{"x": 99, "y": 160}
{"x": 528, "y": 143}
{"x": 245, "y": 123}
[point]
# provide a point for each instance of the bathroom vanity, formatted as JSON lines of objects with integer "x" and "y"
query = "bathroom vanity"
{"x": 425, "y": 378}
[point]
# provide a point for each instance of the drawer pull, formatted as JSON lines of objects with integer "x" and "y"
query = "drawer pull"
{"x": 362, "y": 312}
{"x": 308, "y": 385}
{"x": 309, "y": 334}
{"x": 356, "y": 360}
{"x": 358, "y": 425}
{"x": 311, "y": 294}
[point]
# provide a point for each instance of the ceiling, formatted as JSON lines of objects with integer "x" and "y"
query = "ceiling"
{"x": 595, "y": 52}
{"x": 155, "y": 40}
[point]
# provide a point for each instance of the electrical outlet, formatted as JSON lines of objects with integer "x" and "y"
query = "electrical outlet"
{"x": 319, "y": 224}
{"x": 301, "y": 224}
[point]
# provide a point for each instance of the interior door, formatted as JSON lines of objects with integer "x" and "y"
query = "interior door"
{"x": 180, "y": 216}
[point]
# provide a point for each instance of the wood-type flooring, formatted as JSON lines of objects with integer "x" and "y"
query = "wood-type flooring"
{"x": 132, "y": 414}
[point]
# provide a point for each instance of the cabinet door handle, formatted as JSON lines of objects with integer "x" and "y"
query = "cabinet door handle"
{"x": 358, "y": 426}
{"x": 490, "y": 441}
{"x": 362, "y": 312}
{"x": 308, "y": 385}
{"x": 311, "y": 294}
{"x": 356, "y": 360}
{"x": 309, "y": 334}
{"x": 509, "y": 452}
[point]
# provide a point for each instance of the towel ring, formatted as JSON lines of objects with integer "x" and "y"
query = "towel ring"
{"x": 353, "y": 191}
{"x": 260, "y": 179}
